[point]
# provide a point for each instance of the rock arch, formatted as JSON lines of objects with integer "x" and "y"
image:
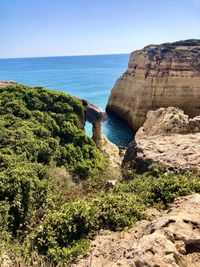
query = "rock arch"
{"x": 95, "y": 116}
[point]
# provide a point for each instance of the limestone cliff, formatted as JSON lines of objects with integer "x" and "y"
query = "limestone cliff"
{"x": 158, "y": 76}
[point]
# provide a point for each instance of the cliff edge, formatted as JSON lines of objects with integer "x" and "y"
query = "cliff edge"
{"x": 158, "y": 76}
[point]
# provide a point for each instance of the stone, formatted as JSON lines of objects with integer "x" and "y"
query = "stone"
{"x": 194, "y": 124}
{"x": 112, "y": 153}
{"x": 6, "y": 83}
{"x": 169, "y": 137}
{"x": 158, "y": 76}
{"x": 110, "y": 184}
{"x": 171, "y": 240}
{"x": 97, "y": 134}
{"x": 95, "y": 115}
{"x": 165, "y": 121}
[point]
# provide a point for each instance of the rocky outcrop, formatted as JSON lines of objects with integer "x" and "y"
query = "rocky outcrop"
{"x": 95, "y": 116}
{"x": 158, "y": 76}
{"x": 111, "y": 152}
{"x": 180, "y": 153}
{"x": 6, "y": 83}
{"x": 168, "y": 136}
{"x": 168, "y": 121}
{"x": 172, "y": 239}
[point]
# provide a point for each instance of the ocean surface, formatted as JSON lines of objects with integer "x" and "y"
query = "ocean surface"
{"x": 87, "y": 77}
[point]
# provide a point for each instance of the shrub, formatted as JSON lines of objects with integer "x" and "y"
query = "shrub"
{"x": 160, "y": 188}
{"x": 118, "y": 211}
{"x": 24, "y": 192}
{"x": 39, "y": 129}
{"x": 66, "y": 233}
{"x": 46, "y": 127}
{"x": 165, "y": 189}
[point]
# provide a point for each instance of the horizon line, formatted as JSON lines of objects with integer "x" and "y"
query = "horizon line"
{"x": 27, "y": 57}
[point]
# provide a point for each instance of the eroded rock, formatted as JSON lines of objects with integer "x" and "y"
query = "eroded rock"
{"x": 95, "y": 116}
{"x": 158, "y": 76}
{"x": 112, "y": 153}
{"x": 168, "y": 136}
{"x": 165, "y": 121}
{"x": 171, "y": 240}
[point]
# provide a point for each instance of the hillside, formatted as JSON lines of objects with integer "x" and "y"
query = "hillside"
{"x": 57, "y": 190}
{"x": 42, "y": 138}
{"x": 45, "y": 127}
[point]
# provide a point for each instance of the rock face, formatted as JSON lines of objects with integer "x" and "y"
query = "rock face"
{"x": 111, "y": 152}
{"x": 168, "y": 136}
{"x": 171, "y": 240}
{"x": 158, "y": 76}
{"x": 168, "y": 121}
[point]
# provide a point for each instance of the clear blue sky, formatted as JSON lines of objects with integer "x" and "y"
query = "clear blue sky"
{"x": 30, "y": 28}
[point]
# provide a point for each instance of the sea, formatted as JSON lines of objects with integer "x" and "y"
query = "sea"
{"x": 86, "y": 77}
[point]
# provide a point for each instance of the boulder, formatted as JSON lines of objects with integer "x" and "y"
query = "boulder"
{"x": 169, "y": 137}
{"x": 165, "y": 121}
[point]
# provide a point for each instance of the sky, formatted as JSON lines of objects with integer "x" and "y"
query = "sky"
{"x": 36, "y": 28}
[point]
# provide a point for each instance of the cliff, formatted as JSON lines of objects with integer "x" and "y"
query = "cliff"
{"x": 158, "y": 76}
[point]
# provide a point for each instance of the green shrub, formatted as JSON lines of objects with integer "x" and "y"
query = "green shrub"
{"x": 24, "y": 192}
{"x": 159, "y": 187}
{"x": 118, "y": 211}
{"x": 46, "y": 127}
{"x": 4, "y": 215}
{"x": 189, "y": 42}
{"x": 65, "y": 234}
{"x": 40, "y": 129}
{"x": 165, "y": 189}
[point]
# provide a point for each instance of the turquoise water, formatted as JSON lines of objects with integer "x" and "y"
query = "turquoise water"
{"x": 88, "y": 77}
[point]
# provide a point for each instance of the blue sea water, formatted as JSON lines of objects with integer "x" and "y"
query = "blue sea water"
{"x": 87, "y": 77}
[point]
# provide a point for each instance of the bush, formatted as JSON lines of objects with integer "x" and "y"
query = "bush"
{"x": 118, "y": 211}
{"x": 39, "y": 129}
{"x": 159, "y": 186}
{"x": 66, "y": 233}
{"x": 46, "y": 127}
{"x": 24, "y": 192}
{"x": 164, "y": 190}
